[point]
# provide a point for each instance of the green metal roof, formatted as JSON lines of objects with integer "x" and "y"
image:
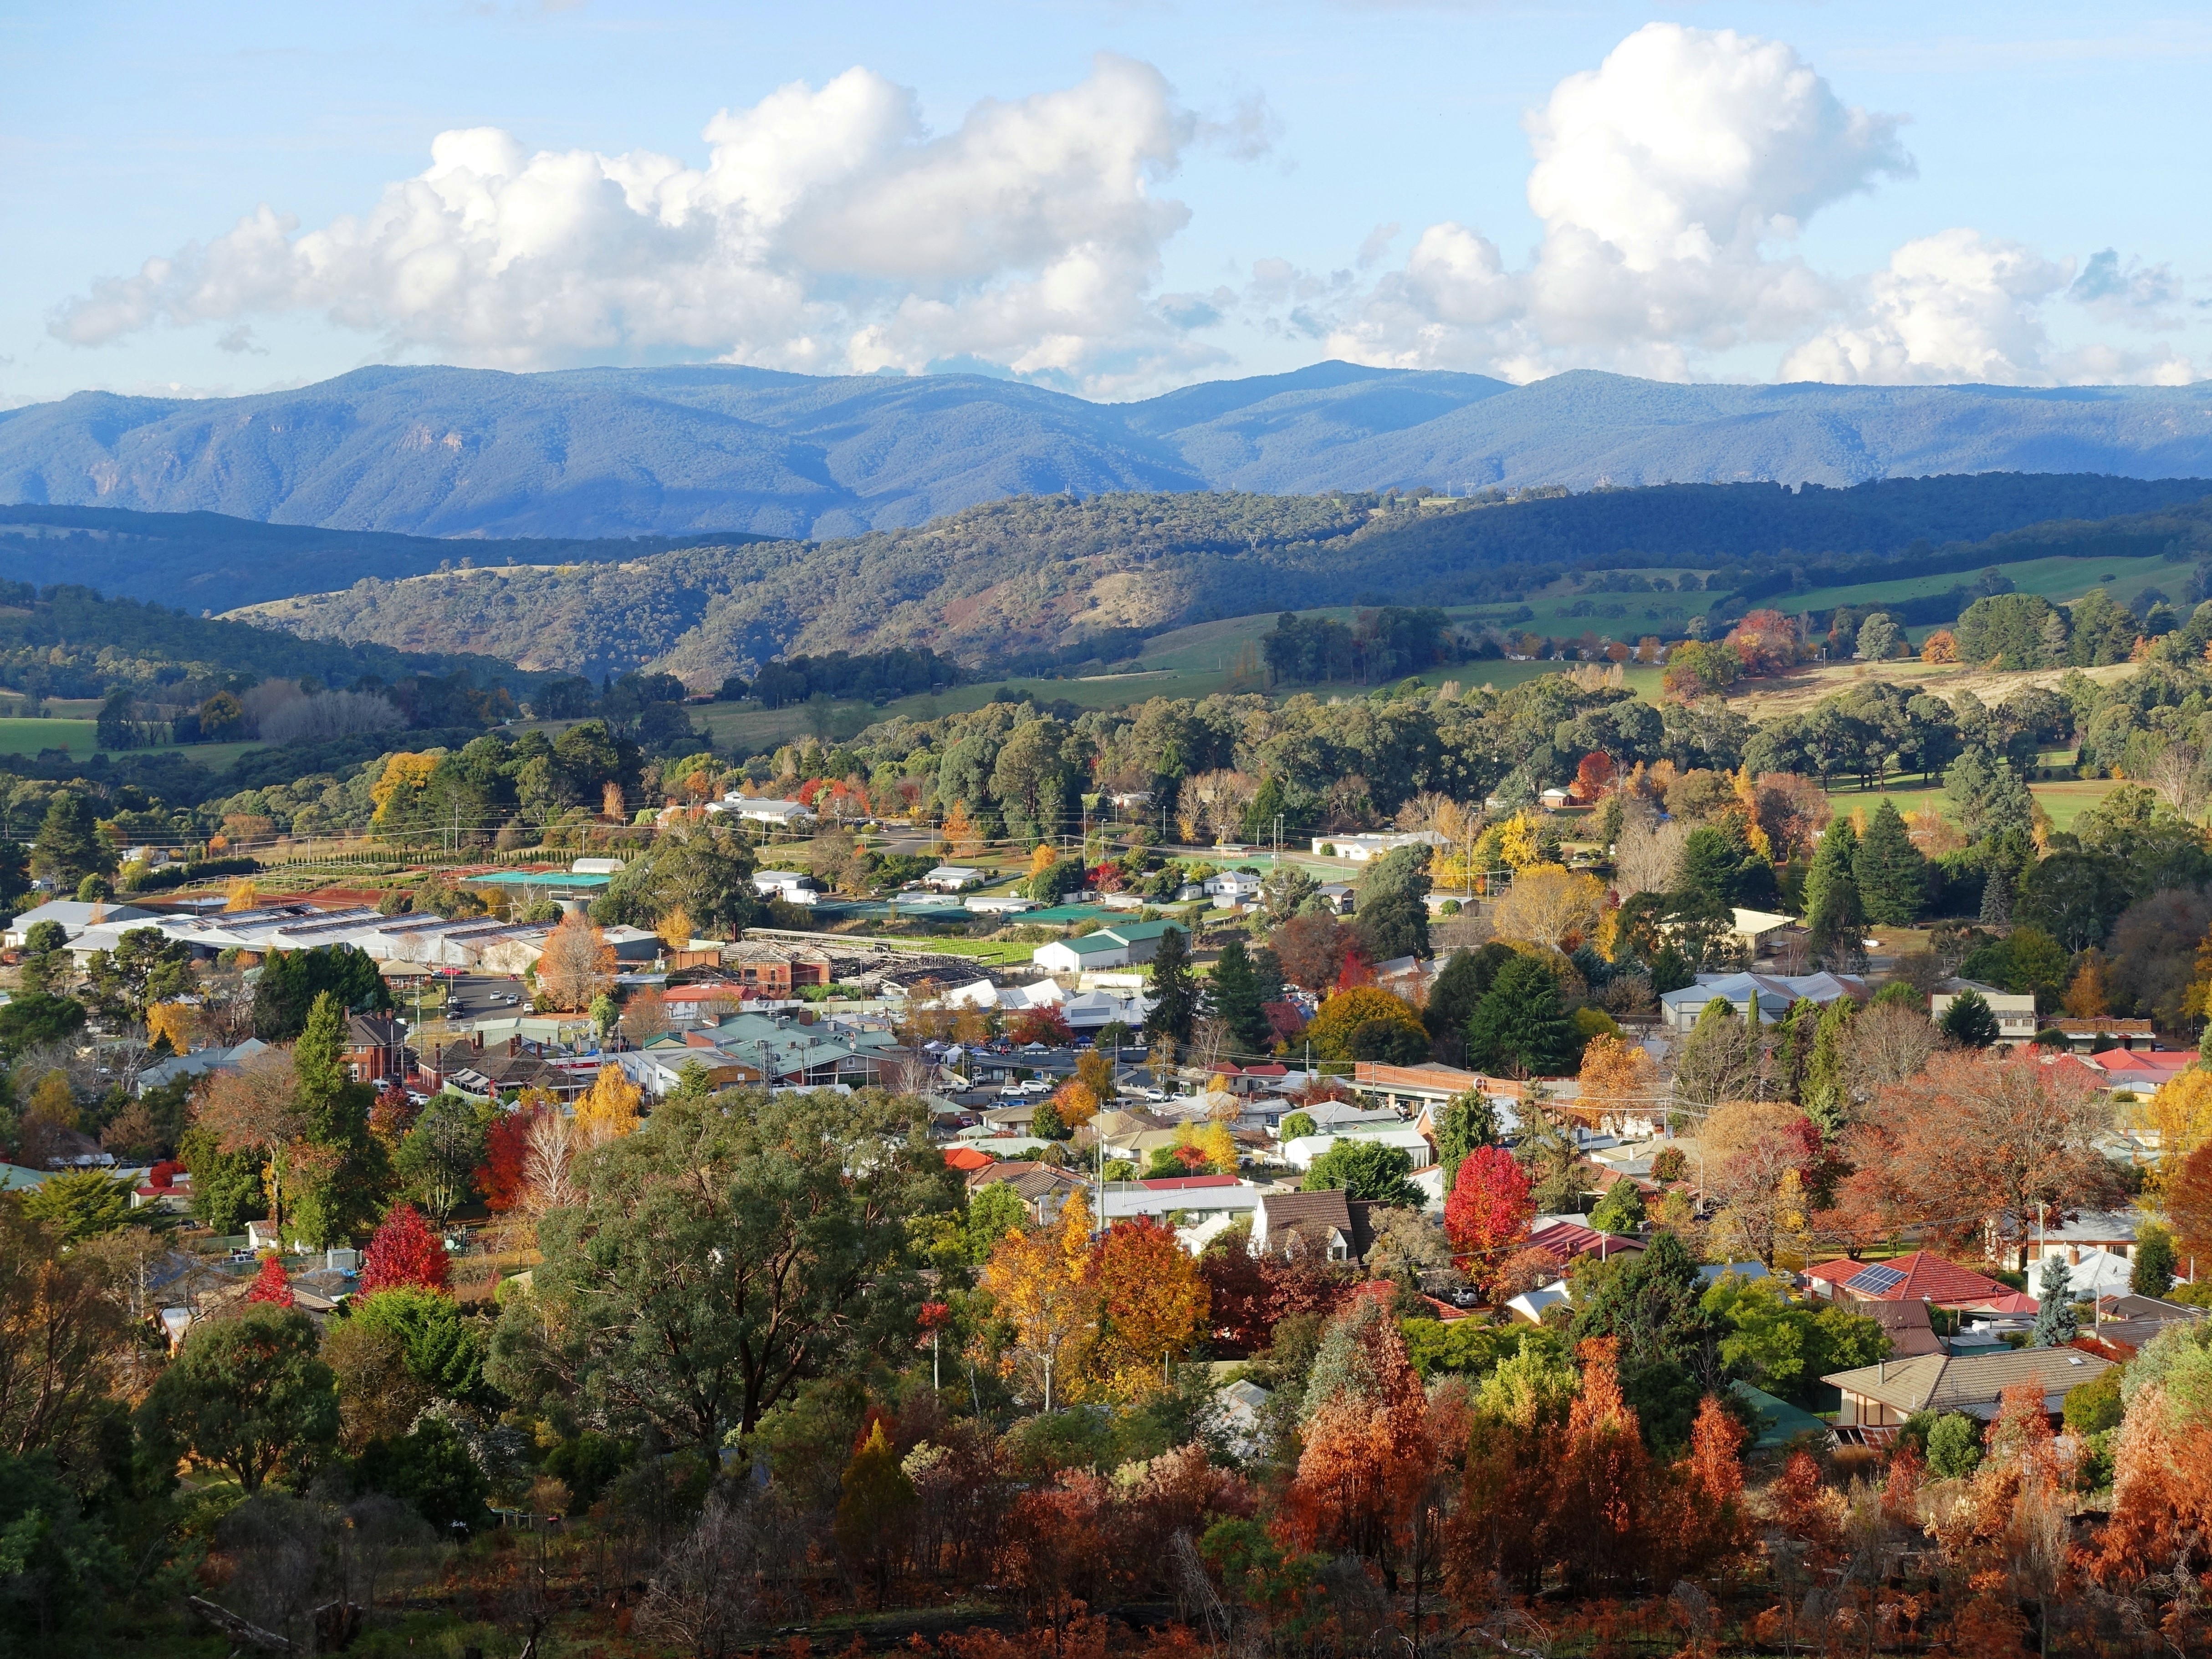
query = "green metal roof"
{"x": 1781, "y": 1424}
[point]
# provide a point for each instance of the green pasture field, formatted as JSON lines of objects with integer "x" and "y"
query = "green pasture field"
{"x": 20, "y": 736}
{"x": 2065, "y": 800}
{"x": 2060, "y": 579}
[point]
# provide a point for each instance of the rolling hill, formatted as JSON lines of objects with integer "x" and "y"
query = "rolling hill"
{"x": 680, "y": 452}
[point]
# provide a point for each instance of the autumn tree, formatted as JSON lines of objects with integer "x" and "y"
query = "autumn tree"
{"x": 1551, "y": 907}
{"x": 404, "y": 1251}
{"x": 1619, "y": 1079}
{"x": 257, "y": 1109}
{"x": 1365, "y": 1445}
{"x": 1153, "y": 1304}
{"x": 1040, "y": 1283}
{"x": 1601, "y": 1497}
{"x": 271, "y": 1285}
{"x": 2009, "y": 1130}
{"x": 577, "y": 963}
{"x": 608, "y": 1111}
{"x": 1488, "y": 1212}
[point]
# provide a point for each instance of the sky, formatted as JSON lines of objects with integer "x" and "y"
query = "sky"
{"x": 1110, "y": 197}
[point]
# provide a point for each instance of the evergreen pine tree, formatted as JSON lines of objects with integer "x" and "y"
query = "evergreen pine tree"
{"x": 1175, "y": 989}
{"x": 1232, "y": 995}
{"x": 1969, "y": 1021}
{"x": 1620, "y": 1211}
{"x": 1518, "y": 1028}
{"x": 1824, "y": 1094}
{"x": 1837, "y": 927}
{"x": 1890, "y": 873}
{"x": 2056, "y": 1324}
{"x": 2153, "y": 1272}
{"x": 68, "y": 847}
{"x": 1996, "y": 897}
{"x": 1831, "y": 862}
{"x": 1468, "y": 1120}
{"x": 1452, "y": 998}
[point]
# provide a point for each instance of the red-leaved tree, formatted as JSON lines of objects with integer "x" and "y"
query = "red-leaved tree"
{"x": 1488, "y": 1212}
{"x": 270, "y": 1285}
{"x": 501, "y": 1177}
{"x": 404, "y": 1252}
{"x": 1045, "y": 1026}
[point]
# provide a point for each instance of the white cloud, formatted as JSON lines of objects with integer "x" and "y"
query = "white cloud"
{"x": 1671, "y": 180}
{"x": 1954, "y": 307}
{"x": 826, "y": 230}
{"x": 1663, "y": 176}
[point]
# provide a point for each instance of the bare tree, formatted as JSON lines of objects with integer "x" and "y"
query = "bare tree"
{"x": 1647, "y": 856}
{"x": 1887, "y": 1044}
{"x": 548, "y": 1158}
{"x": 578, "y": 963}
{"x": 709, "y": 1590}
{"x": 2178, "y": 775}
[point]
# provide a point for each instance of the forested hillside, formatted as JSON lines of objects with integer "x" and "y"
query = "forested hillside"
{"x": 1039, "y": 579}
{"x": 683, "y": 451}
{"x": 207, "y": 561}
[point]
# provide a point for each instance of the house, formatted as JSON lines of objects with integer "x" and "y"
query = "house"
{"x": 376, "y": 1048}
{"x": 2072, "y": 1234}
{"x": 790, "y": 885}
{"x": 1882, "y": 1397}
{"x": 1304, "y": 1151}
{"x": 1127, "y": 799}
{"x": 1759, "y": 929}
{"x": 1125, "y": 944}
{"x": 1564, "y": 1240}
{"x": 759, "y": 809}
{"x": 1919, "y": 1277}
{"x": 1679, "y": 1010}
{"x": 1362, "y": 849}
{"x": 2088, "y": 1036}
{"x": 2016, "y": 1020}
{"x": 2134, "y": 1072}
{"x": 2124, "y": 1324}
{"x": 75, "y": 915}
{"x": 1206, "y": 1195}
{"x": 1236, "y": 1413}
{"x": 1532, "y": 1304}
{"x": 490, "y": 1071}
{"x": 761, "y": 969}
{"x": 1337, "y": 896}
{"x": 1912, "y": 1332}
{"x": 1324, "y": 1224}
{"x": 1233, "y": 887}
{"x": 631, "y": 945}
{"x": 951, "y": 878}
{"x": 1042, "y": 1189}
{"x": 1556, "y": 799}
{"x": 198, "y": 1063}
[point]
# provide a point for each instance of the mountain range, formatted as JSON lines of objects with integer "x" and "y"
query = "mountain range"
{"x": 681, "y": 452}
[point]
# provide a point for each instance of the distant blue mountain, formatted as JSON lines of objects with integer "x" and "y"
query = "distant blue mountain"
{"x": 676, "y": 452}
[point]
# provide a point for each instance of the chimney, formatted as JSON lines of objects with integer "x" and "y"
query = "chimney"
{"x": 476, "y": 1042}
{"x": 513, "y": 1047}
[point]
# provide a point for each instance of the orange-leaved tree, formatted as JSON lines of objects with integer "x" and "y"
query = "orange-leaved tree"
{"x": 1366, "y": 1449}
{"x": 1601, "y": 1500}
{"x": 1618, "y": 1080}
{"x": 1040, "y": 1283}
{"x": 577, "y": 962}
{"x": 1153, "y": 1303}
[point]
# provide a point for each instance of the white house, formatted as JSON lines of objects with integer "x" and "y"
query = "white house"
{"x": 760, "y": 808}
{"x": 2016, "y": 1021}
{"x": 1359, "y": 849}
{"x": 1233, "y": 886}
{"x": 951, "y": 878}
{"x": 1304, "y": 1151}
{"x": 789, "y": 885}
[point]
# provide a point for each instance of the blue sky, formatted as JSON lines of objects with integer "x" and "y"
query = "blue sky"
{"x": 1111, "y": 199}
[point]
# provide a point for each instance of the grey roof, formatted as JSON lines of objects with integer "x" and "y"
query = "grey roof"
{"x": 1969, "y": 1382}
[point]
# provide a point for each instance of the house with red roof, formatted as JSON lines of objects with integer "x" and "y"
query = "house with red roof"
{"x": 968, "y": 1159}
{"x": 1920, "y": 1277}
{"x": 2141, "y": 1072}
{"x": 1565, "y": 1239}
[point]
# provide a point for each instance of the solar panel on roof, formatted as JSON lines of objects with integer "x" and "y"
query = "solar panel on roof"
{"x": 1875, "y": 1280}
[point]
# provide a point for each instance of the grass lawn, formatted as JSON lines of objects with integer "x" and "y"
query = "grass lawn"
{"x": 23, "y": 737}
{"x": 2065, "y": 800}
{"x": 2059, "y": 579}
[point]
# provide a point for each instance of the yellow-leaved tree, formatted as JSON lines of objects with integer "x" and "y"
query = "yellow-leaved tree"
{"x": 610, "y": 1109}
{"x": 675, "y": 929}
{"x": 2180, "y": 1115}
{"x": 173, "y": 1020}
{"x": 1618, "y": 1080}
{"x": 1552, "y": 907}
{"x": 1076, "y": 1102}
{"x": 1039, "y": 1280}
